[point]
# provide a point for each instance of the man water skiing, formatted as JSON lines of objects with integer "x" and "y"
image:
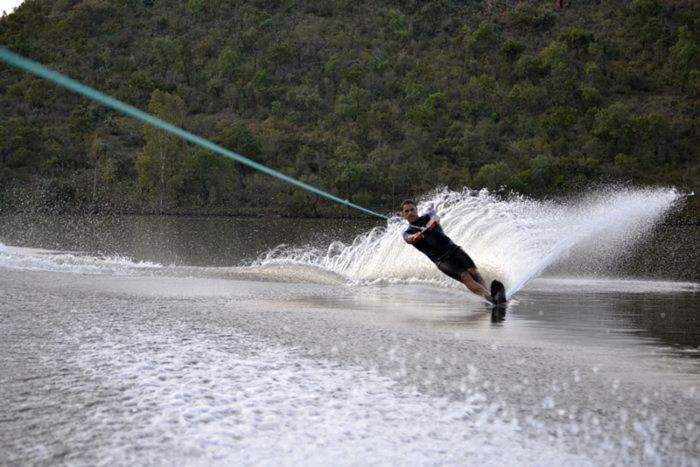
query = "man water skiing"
{"x": 448, "y": 257}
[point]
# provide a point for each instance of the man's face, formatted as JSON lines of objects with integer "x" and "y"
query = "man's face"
{"x": 409, "y": 212}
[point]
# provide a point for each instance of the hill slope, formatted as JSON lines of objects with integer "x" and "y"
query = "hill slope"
{"x": 372, "y": 100}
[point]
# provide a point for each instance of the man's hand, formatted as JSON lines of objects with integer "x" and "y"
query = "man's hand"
{"x": 415, "y": 237}
{"x": 435, "y": 220}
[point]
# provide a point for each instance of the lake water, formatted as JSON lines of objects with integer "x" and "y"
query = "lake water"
{"x": 646, "y": 295}
{"x": 298, "y": 341}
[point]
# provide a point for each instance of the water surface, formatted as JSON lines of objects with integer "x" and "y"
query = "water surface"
{"x": 165, "y": 340}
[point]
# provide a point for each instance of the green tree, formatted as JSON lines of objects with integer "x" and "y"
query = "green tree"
{"x": 353, "y": 174}
{"x": 428, "y": 111}
{"x": 526, "y": 96}
{"x": 159, "y": 164}
{"x": 544, "y": 173}
{"x": 614, "y": 126}
{"x": 228, "y": 64}
{"x": 397, "y": 24}
{"x": 141, "y": 85}
{"x": 238, "y": 137}
{"x": 575, "y": 38}
{"x": 557, "y": 121}
{"x": 196, "y": 7}
{"x": 97, "y": 153}
{"x": 684, "y": 55}
{"x": 210, "y": 181}
{"x": 494, "y": 175}
{"x": 527, "y": 17}
{"x": 427, "y": 20}
{"x": 483, "y": 39}
{"x": 351, "y": 104}
{"x": 512, "y": 49}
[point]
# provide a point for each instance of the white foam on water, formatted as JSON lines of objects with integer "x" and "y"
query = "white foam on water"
{"x": 251, "y": 404}
{"x": 511, "y": 238}
{"x": 609, "y": 285}
{"x": 34, "y": 259}
{"x": 299, "y": 273}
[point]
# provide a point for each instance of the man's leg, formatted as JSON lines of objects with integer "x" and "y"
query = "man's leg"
{"x": 476, "y": 276}
{"x": 474, "y": 286}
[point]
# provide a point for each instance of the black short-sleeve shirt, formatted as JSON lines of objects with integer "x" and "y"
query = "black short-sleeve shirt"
{"x": 435, "y": 244}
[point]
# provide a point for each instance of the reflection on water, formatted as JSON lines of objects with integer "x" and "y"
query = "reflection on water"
{"x": 646, "y": 319}
{"x": 194, "y": 241}
{"x": 665, "y": 324}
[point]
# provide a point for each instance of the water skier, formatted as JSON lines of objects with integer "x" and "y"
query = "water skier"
{"x": 447, "y": 256}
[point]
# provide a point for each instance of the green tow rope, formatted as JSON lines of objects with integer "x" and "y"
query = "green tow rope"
{"x": 37, "y": 69}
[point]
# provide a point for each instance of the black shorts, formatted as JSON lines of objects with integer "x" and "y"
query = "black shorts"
{"x": 455, "y": 263}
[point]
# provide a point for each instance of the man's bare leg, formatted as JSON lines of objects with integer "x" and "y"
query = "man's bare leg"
{"x": 475, "y": 287}
{"x": 477, "y": 277}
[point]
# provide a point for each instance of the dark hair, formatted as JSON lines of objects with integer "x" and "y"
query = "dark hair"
{"x": 405, "y": 202}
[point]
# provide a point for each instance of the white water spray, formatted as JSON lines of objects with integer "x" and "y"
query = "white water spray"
{"x": 34, "y": 259}
{"x": 514, "y": 239}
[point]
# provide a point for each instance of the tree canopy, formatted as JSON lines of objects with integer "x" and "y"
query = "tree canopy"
{"x": 374, "y": 101}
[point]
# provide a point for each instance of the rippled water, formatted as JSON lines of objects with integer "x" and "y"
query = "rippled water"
{"x": 156, "y": 340}
{"x": 122, "y": 390}
{"x": 158, "y": 370}
{"x": 605, "y": 258}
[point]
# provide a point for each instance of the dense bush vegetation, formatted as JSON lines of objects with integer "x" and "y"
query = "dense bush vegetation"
{"x": 371, "y": 100}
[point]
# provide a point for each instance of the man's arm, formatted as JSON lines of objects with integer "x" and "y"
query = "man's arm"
{"x": 412, "y": 238}
{"x": 434, "y": 220}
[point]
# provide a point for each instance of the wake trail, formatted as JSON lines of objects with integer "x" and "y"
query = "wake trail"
{"x": 514, "y": 239}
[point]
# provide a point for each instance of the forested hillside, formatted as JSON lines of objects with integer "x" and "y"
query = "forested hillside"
{"x": 371, "y": 100}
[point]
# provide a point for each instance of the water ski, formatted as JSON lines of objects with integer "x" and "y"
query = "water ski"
{"x": 498, "y": 293}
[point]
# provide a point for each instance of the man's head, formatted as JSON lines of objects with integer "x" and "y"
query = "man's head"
{"x": 409, "y": 210}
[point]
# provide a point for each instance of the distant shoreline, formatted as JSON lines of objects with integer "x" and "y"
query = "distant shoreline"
{"x": 685, "y": 217}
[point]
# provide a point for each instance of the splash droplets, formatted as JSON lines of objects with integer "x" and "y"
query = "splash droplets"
{"x": 514, "y": 239}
